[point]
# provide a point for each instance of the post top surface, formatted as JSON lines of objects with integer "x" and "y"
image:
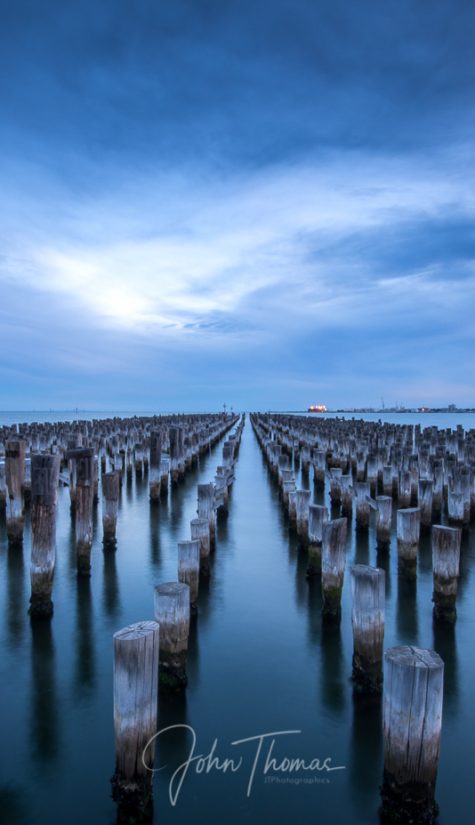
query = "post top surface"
{"x": 189, "y": 543}
{"x": 136, "y": 631}
{"x": 443, "y": 528}
{"x": 171, "y": 588}
{"x": 415, "y": 657}
{"x": 366, "y": 570}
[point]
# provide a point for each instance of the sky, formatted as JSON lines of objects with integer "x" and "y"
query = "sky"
{"x": 263, "y": 203}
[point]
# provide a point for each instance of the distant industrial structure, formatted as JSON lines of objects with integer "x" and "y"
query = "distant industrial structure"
{"x": 397, "y": 408}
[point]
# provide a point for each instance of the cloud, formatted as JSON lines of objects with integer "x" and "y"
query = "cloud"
{"x": 281, "y": 190}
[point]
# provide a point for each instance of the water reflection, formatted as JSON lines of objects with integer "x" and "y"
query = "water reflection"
{"x": 155, "y": 518}
{"x": 172, "y": 746}
{"x": 365, "y": 764}
{"x": 129, "y": 487}
{"x": 361, "y": 547}
{"x": 314, "y": 608}
{"x": 445, "y": 644}
{"x": 383, "y": 561}
{"x": 193, "y": 659}
{"x": 222, "y": 527}
{"x": 332, "y": 676}
{"x": 13, "y": 807}
{"x": 176, "y": 511}
{"x": 130, "y": 816}
{"x": 205, "y": 603}
{"x": 318, "y": 495}
{"x": 304, "y": 476}
{"x": 71, "y": 541}
{"x": 407, "y": 620}
{"x": 301, "y": 584}
{"x": 84, "y": 637}
{"x": 16, "y": 601}
{"x": 44, "y": 705}
{"x": 465, "y": 560}
{"x": 335, "y": 510}
{"x": 111, "y": 594}
{"x": 424, "y": 555}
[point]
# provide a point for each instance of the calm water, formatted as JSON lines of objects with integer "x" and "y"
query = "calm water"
{"x": 441, "y": 420}
{"x": 260, "y": 661}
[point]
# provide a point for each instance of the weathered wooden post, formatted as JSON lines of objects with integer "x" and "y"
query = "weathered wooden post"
{"x": 284, "y": 468}
{"x": 221, "y": 493}
{"x": 174, "y": 439}
{"x": 346, "y": 485}
{"x": 3, "y": 487}
{"x": 44, "y": 493}
{"x": 26, "y": 492}
{"x": 455, "y": 507}
{"x": 306, "y": 457}
{"x": 372, "y": 474}
{"x": 164, "y": 470}
{"x": 465, "y": 483}
{"x": 200, "y": 532}
{"x": 408, "y": 534}
{"x": 84, "y": 466}
{"x": 388, "y": 480}
{"x": 181, "y": 453}
{"x": 317, "y": 515}
{"x": 333, "y": 565}
{"x": 206, "y": 509}
{"x": 72, "y": 444}
{"x": 189, "y": 569}
{"x": 14, "y": 474}
{"x": 445, "y": 564}
{"x": 292, "y": 508}
{"x": 438, "y": 487}
{"x": 288, "y": 486}
{"x": 172, "y": 612}
{"x": 335, "y": 485}
{"x": 360, "y": 465}
{"x": 412, "y": 724}
{"x": 362, "y": 493}
{"x": 319, "y": 465}
{"x": 424, "y": 497}
{"x": 383, "y": 521}
{"x": 154, "y": 467}
{"x": 296, "y": 453}
{"x": 367, "y": 618}
{"x": 95, "y": 493}
{"x": 228, "y": 453}
{"x": 110, "y": 507}
{"x": 136, "y": 663}
{"x": 138, "y": 459}
{"x": 405, "y": 489}
{"x": 302, "y": 504}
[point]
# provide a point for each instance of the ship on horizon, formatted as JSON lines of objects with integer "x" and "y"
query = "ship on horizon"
{"x": 317, "y": 408}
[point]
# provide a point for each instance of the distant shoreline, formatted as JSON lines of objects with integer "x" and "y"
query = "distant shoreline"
{"x": 439, "y": 410}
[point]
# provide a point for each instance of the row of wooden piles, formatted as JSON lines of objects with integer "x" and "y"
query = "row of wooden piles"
{"x": 88, "y": 457}
{"x": 150, "y": 656}
{"x": 352, "y": 457}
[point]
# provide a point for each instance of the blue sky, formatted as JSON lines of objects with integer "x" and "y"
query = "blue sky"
{"x": 266, "y": 203}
